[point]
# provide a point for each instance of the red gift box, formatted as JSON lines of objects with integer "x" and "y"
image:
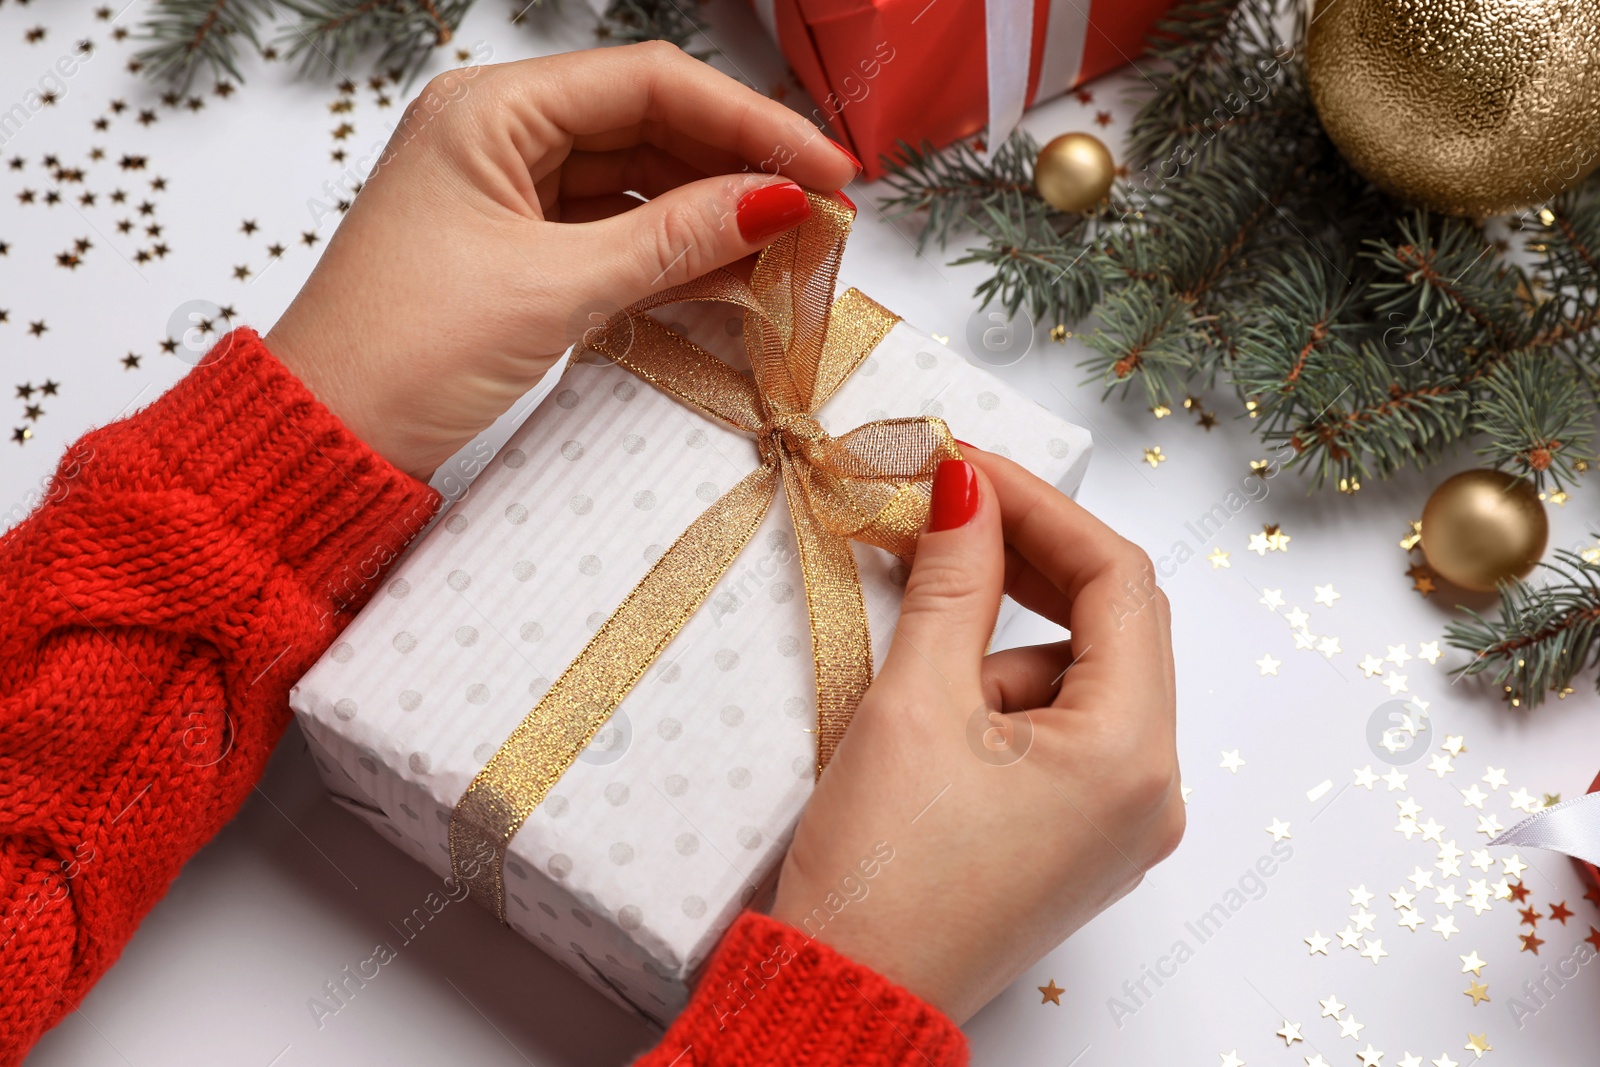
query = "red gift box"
{"x": 884, "y": 71}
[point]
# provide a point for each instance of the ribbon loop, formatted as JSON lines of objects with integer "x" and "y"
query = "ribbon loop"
{"x": 870, "y": 485}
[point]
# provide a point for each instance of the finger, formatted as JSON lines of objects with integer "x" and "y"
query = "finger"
{"x": 1118, "y": 616}
{"x": 1034, "y": 591}
{"x": 1018, "y": 679}
{"x": 681, "y": 234}
{"x": 643, "y": 169}
{"x": 655, "y": 85}
{"x": 953, "y": 592}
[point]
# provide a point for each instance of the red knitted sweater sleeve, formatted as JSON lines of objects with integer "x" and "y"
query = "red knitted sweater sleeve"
{"x": 772, "y": 995}
{"x": 185, "y": 567}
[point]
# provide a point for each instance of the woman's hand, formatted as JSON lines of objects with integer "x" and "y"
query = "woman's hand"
{"x": 950, "y": 847}
{"x": 497, "y": 228}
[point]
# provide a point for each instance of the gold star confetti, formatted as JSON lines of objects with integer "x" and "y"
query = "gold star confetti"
{"x": 1058, "y": 333}
{"x": 1369, "y": 1056}
{"x": 1326, "y": 595}
{"x": 1372, "y": 666}
{"x": 1154, "y": 456}
{"x": 1331, "y": 1008}
{"x": 1051, "y": 993}
{"x": 1478, "y": 1043}
{"x": 1231, "y": 1059}
{"x": 1552, "y": 799}
{"x": 1279, "y": 830}
{"x": 1471, "y": 963}
{"x": 1261, "y": 468}
{"x": 1277, "y": 540}
{"x": 1258, "y": 544}
{"x": 1272, "y": 598}
{"x": 1161, "y": 411}
{"x": 1231, "y": 761}
{"x": 1290, "y": 1033}
{"x": 1429, "y": 651}
{"x": 1317, "y": 943}
{"x": 1478, "y": 991}
{"x": 1269, "y": 665}
{"x": 1413, "y": 536}
{"x": 1219, "y": 559}
{"x": 1349, "y": 486}
{"x": 1373, "y": 950}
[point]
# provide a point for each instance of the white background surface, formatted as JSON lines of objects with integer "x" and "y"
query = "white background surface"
{"x": 295, "y": 890}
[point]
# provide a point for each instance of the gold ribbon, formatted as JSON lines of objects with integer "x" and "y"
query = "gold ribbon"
{"x": 871, "y": 485}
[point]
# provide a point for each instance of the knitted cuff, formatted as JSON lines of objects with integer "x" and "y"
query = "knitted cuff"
{"x": 242, "y": 431}
{"x": 772, "y": 995}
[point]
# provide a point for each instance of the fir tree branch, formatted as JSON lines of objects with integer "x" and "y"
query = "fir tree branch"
{"x": 187, "y": 36}
{"x": 402, "y": 34}
{"x": 1545, "y": 634}
{"x": 956, "y": 186}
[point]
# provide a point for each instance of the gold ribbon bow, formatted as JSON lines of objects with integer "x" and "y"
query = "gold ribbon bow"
{"x": 871, "y": 485}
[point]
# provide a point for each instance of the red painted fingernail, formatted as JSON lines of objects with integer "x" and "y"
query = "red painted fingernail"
{"x": 851, "y": 204}
{"x": 771, "y": 209}
{"x": 851, "y": 156}
{"x": 955, "y": 495}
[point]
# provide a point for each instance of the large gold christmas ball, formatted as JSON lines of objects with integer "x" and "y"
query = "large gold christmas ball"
{"x": 1483, "y": 527}
{"x": 1074, "y": 172}
{"x": 1470, "y": 107}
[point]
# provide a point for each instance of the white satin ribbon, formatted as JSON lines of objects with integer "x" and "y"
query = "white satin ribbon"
{"x": 1009, "y": 28}
{"x": 1572, "y": 826}
{"x": 1008, "y": 35}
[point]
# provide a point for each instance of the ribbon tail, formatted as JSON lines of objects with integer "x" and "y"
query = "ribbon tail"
{"x": 841, "y": 643}
{"x": 1572, "y": 827}
{"x": 545, "y": 743}
{"x": 1008, "y": 31}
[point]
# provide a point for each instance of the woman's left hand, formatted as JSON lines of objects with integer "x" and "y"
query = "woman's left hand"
{"x": 497, "y": 227}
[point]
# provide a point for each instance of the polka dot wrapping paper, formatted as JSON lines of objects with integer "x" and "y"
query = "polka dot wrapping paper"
{"x": 677, "y": 814}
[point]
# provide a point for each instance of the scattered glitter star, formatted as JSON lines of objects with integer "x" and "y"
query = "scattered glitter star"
{"x": 1473, "y": 797}
{"x": 1278, "y": 830}
{"x": 1374, "y": 951}
{"x": 1272, "y": 598}
{"x": 1396, "y": 683}
{"x": 1290, "y": 1032}
{"x": 1445, "y": 925}
{"x": 1471, "y": 963}
{"x": 1372, "y": 666}
{"x": 1402, "y": 897}
{"x": 1369, "y": 1056}
{"x": 1348, "y": 1027}
{"x": 1297, "y": 619}
{"x": 1454, "y": 744}
{"x": 1429, "y": 651}
{"x": 1495, "y": 778}
{"x": 1489, "y": 826}
{"x": 1331, "y": 1008}
{"x": 1413, "y": 536}
{"x": 1523, "y": 800}
{"x": 1329, "y": 646}
{"x": 1326, "y": 596}
{"x": 1269, "y": 665}
{"x": 1531, "y": 942}
{"x": 1052, "y": 993}
{"x": 1395, "y": 779}
{"x": 1218, "y": 559}
{"x": 1410, "y": 918}
{"x": 1258, "y": 544}
{"x": 1231, "y": 761}
{"x": 1317, "y": 944}
{"x": 1561, "y": 913}
{"x": 1420, "y": 879}
{"x": 1360, "y": 897}
{"x": 1365, "y": 778}
{"x": 1478, "y": 1043}
{"x": 1277, "y": 540}
{"x": 1154, "y": 456}
{"x": 1440, "y": 764}
{"x": 1513, "y": 866}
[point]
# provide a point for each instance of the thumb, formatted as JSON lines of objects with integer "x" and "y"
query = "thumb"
{"x": 953, "y": 593}
{"x": 689, "y": 230}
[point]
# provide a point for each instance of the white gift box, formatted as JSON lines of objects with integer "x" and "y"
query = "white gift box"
{"x": 679, "y": 812}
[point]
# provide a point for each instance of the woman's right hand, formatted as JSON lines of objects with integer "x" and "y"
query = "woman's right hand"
{"x": 996, "y": 852}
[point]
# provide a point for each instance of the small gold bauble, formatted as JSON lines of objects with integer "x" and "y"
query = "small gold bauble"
{"x": 1074, "y": 172}
{"x": 1471, "y": 107}
{"x": 1483, "y": 527}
